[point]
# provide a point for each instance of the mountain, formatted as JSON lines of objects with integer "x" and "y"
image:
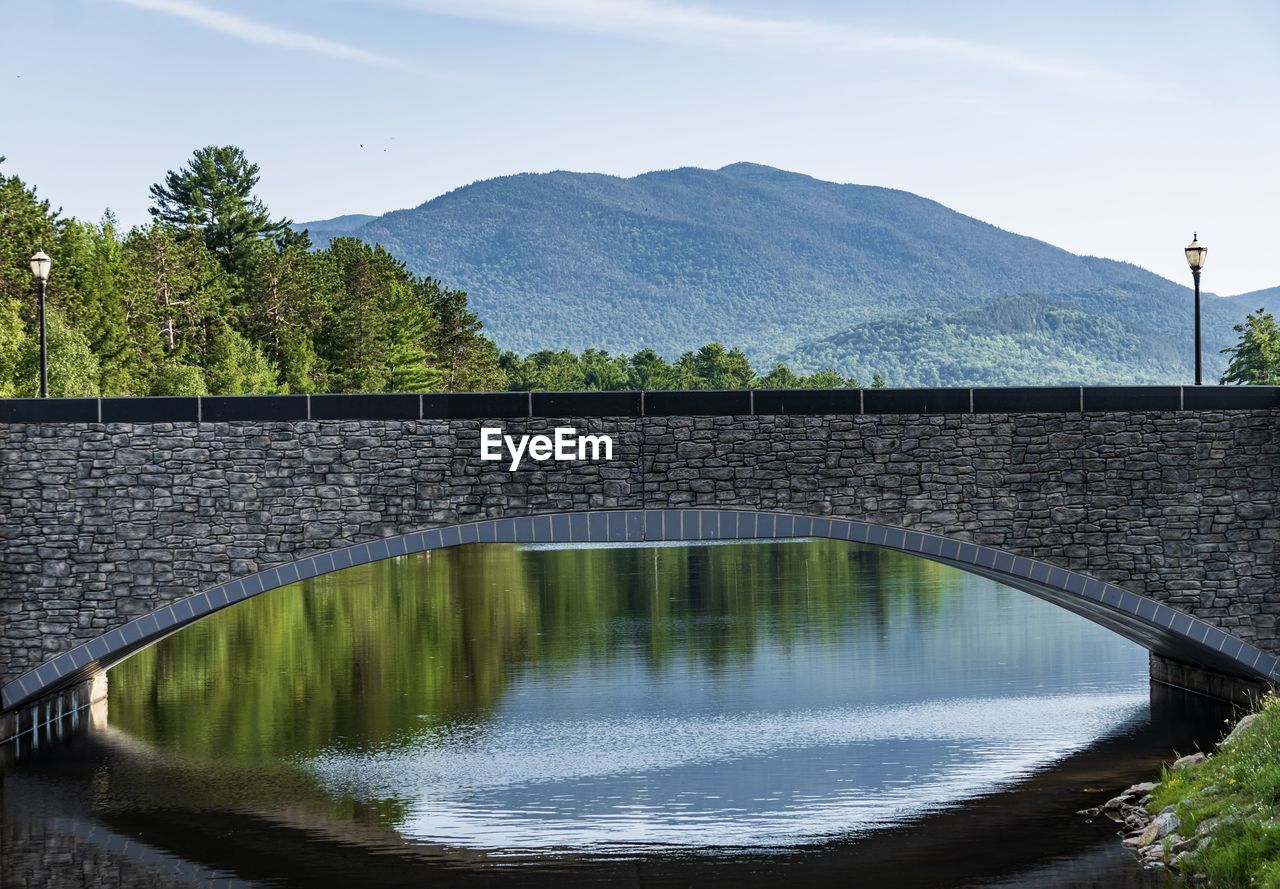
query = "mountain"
{"x": 1268, "y": 299}
{"x": 788, "y": 267}
{"x": 324, "y": 230}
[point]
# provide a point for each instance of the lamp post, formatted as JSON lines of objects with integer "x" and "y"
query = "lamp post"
{"x": 40, "y": 271}
{"x": 1195, "y": 258}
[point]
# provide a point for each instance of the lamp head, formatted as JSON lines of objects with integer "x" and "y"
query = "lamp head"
{"x": 40, "y": 266}
{"x": 1196, "y": 254}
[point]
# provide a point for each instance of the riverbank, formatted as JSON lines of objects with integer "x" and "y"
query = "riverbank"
{"x": 1214, "y": 817}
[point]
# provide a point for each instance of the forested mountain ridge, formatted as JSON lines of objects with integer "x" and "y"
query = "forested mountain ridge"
{"x": 854, "y": 278}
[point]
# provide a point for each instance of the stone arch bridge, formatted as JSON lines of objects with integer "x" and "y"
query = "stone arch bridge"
{"x": 1150, "y": 510}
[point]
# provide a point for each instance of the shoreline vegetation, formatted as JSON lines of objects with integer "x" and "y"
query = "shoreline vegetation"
{"x": 1213, "y": 818}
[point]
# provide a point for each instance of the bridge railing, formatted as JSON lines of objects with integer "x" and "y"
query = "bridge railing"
{"x": 737, "y": 402}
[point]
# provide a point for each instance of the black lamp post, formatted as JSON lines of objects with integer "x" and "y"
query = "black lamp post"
{"x": 40, "y": 271}
{"x": 1195, "y": 258}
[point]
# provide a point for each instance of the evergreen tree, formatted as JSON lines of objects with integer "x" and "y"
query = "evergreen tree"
{"x": 457, "y": 343}
{"x": 235, "y": 366}
{"x": 603, "y": 372}
{"x": 781, "y": 377}
{"x": 286, "y": 290}
{"x": 714, "y": 367}
{"x": 649, "y": 370}
{"x": 827, "y": 379}
{"x": 179, "y": 290}
{"x": 26, "y": 225}
{"x": 376, "y": 332}
{"x": 213, "y": 194}
{"x": 94, "y": 276}
{"x": 1255, "y": 359}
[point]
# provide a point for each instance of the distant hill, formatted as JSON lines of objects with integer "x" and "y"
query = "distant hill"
{"x": 1268, "y": 299}
{"x": 323, "y": 230}
{"x": 852, "y": 277}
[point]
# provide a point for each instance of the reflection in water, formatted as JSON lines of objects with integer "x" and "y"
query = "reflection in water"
{"x": 790, "y": 699}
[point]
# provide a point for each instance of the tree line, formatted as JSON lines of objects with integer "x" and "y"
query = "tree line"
{"x": 215, "y": 296}
{"x": 711, "y": 367}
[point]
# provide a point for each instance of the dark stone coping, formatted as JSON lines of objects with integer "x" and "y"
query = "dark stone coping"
{"x": 1154, "y": 625}
{"x": 719, "y": 403}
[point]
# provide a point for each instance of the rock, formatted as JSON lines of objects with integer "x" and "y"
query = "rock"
{"x": 1113, "y": 804}
{"x": 1139, "y": 789}
{"x": 1240, "y": 727}
{"x": 1161, "y": 826}
{"x": 1190, "y": 760}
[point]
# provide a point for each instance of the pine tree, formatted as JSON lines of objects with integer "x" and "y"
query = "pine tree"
{"x": 27, "y": 224}
{"x": 781, "y": 377}
{"x": 824, "y": 379}
{"x": 466, "y": 359}
{"x": 285, "y": 291}
{"x": 214, "y": 195}
{"x": 714, "y": 367}
{"x": 649, "y": 370}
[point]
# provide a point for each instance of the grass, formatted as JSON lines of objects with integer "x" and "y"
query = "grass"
{"x": 1237, "y": 791}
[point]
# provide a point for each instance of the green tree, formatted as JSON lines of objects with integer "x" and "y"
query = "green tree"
{"x": 1255, "y": 359}
{"x": 235, "y": 366}
{"x": 172, "y": 377}
{"x": 93, "y": 283}
{"x": 604, "y": 372}
{"x": 26, "y": 225}
{"x": 213, "y": 194}
{"x": 374, "y": 337}
{"x": 554, "y": 371}
{"x": 73, "y": 368}
{"x": 466, "y": 359}
{"x": 179, "y": 287}
{"x": 14, "y": 345}
{"x": 649, "y": 370}
{"x": 781, "y": 377}
{"x": 286, "y": 289}
{"x": 826, "y": 379}
{"x": 714, "y": 367}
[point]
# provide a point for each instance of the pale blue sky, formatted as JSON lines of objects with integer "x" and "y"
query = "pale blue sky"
{"x": 1112, "y": 129}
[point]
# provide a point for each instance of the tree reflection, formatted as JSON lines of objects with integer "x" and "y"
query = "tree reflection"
{"x": 373, "y": 655}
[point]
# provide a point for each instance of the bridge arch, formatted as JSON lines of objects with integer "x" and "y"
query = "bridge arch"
{"x": 1157, "y": 627}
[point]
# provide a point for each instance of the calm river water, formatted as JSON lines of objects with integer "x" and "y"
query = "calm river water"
{"x": 800, "y": 712}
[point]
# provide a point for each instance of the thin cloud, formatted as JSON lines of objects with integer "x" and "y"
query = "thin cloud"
{"x": 254, "y": 32}
{"x": 675, "y": 22}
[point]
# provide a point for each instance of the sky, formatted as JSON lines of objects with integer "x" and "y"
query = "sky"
{"x": 1109, "y": 129}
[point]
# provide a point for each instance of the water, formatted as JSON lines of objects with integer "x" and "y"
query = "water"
{"x": 788, "y": 711}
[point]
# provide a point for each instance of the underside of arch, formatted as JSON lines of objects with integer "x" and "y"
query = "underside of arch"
{"x": 1159, "y": 628}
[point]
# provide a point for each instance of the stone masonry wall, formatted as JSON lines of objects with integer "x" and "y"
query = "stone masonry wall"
{"x": 101, "y": 523}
